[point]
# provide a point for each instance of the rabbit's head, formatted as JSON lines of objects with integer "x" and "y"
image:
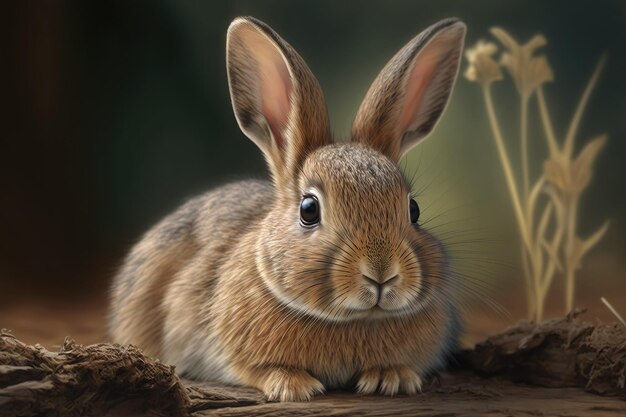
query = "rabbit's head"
{"x": 342, "y": 239}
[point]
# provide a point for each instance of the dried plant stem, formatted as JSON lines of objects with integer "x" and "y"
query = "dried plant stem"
{"x": 582, "y": 104}
{"x": 524, "y": 143}
{"x": 554, "y": 150}
{"x": 536, "y": 264}
{"x": 506, "y": 166}
{"x": 552, "y": 247}
{"x": 539, "y": 270}
{"x": 530, "y": 288}
{"x": 570, "y": 259}
{"x": 612, "y": 310}
{"x": 547, "y": 227}
{"x": 547, "y": 122}
{"x": 546, "y": 280}
{"x": 573, "y": 248}
{"x": 537, "y": 274}
{"x": 534, "y": 258}
{"x": 532, "y": 268}
{"x": 541, "y": 301}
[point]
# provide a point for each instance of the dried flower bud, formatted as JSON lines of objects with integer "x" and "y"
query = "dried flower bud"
{"x": 482, "y": 67}
{"x": 528, "y": 71}
{"x": 571, "y": 177}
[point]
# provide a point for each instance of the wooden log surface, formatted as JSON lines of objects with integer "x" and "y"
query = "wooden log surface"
{"x": 557, "y": 368}
{"x": 458, "y": 394}
{"x": 565, "y": 352}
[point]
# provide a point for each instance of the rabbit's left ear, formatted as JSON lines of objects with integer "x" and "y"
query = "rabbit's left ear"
{"x": 409, "y": 95}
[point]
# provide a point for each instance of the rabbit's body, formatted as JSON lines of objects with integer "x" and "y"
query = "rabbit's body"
{"x": 182, "y": 257}
{"x": 321, "y": 277}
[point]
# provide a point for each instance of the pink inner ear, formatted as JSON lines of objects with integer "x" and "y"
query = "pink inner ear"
{"x": 415, "y": 89}
{"x": 275, "y": 91}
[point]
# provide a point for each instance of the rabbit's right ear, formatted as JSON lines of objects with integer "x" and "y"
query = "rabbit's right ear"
{"x": 410, "y": 94}
{"x": 277, "y": 101}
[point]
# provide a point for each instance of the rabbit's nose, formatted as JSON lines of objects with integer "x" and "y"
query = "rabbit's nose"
{"x": 380, "y": 286}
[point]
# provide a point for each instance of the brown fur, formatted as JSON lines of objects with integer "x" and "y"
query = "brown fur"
{"x": 232, "y": 287}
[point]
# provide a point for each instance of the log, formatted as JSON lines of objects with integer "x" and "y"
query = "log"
{"x": 564, "y": 352}
{"x": 85, "y": 380}
{"x": 461, "y": 394}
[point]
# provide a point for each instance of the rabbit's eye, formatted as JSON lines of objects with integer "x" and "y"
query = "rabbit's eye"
{"x": 309, "y": 210}
{"x": 414, "y": 210}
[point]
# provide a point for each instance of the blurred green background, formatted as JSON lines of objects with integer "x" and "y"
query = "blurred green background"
{"x": 117, "y": 111}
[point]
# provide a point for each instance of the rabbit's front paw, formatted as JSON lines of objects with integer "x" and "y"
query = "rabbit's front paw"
{"x": 289, "y": 384}
{"x": 389, "y": 381}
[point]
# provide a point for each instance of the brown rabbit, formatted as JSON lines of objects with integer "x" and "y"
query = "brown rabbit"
{"x": 322, "y": 277}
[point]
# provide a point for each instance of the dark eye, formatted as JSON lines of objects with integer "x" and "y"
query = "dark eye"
{"x": 414, "y": 211}
{"x": 309, "y": 210}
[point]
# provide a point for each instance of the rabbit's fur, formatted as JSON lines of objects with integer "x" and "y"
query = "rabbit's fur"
{"x": 234, "y": 287}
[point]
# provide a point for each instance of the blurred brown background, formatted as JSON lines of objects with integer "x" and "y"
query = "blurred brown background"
{"x": 115, "y": 112}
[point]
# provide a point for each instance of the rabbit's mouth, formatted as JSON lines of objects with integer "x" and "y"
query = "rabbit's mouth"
{"x": 378, "y": 311}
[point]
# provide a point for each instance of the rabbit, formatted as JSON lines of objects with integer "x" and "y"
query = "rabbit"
{"x": 321, "y": 277}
